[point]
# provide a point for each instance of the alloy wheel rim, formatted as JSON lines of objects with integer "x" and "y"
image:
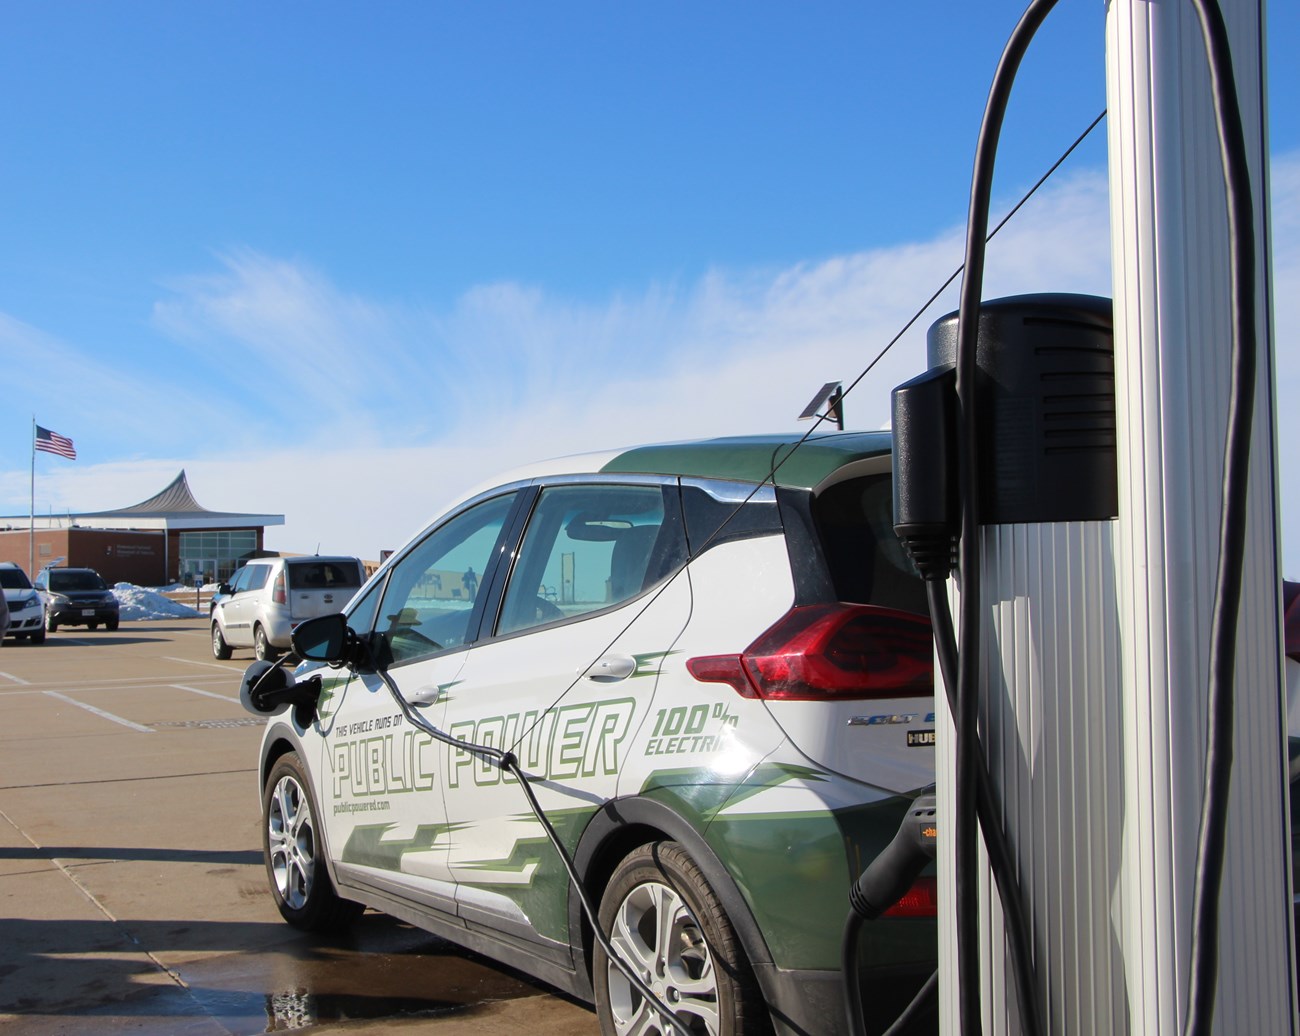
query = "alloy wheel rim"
{"x": 655, "y": 932}
{"x": 291, "y": 842}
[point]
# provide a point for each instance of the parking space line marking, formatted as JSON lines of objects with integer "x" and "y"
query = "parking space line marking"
{"x": 99, "y": 712}
{"x": 206, "y": 694}
{"x": 214, "y": 665}
{"x": 15, "y": 679}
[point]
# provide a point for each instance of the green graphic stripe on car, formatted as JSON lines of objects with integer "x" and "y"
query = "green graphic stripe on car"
{"x": 367, "y": 846}
{"x": 700, "y": 793}
{"x": 646, "y": 663}
{"x": 444, "y": 692}
{"x": 788, "y": 891}
{"x": 544, "y": 896}
{"x": 326, "y": 703}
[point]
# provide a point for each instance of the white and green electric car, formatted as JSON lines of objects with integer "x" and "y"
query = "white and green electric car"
{"x": 713, "y": 664}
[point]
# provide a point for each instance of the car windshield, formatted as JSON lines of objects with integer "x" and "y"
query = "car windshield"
{"x": 325, "y": 575}
{"x": 14, "y": 579}
{"x": 72, "y": 579}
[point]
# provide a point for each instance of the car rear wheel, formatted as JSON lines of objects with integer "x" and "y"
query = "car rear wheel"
{"x": 262, "y": 647}
{"x": 300, "y": 883}
{"x": 111, "y": 624}
{"x": 662, "y": 916}
{"x": 51, "y": 625}
{"x": 220, "y": 649}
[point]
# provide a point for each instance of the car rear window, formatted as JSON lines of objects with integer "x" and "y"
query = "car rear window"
{"x": 866, "y": 561}
{"x": 325, "y": 575}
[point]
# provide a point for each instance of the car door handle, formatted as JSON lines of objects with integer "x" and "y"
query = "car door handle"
{"x": 427, "y": 695}
{"x": 611, "y": 668}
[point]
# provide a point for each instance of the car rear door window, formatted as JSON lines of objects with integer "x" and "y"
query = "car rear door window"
{"x": 429, "y": 603}
{"x": 590, "y": 547}
{"x": 324, "y": 575}
{"x": 866, "y": 561}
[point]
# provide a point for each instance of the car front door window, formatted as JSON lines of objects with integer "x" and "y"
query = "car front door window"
{"x": 429, "y": 604}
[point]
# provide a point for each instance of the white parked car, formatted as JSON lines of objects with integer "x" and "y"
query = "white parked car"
{"x": 25, "y": 606}
{"x": 268, "y": 597}
{"x": 719, "y": 690}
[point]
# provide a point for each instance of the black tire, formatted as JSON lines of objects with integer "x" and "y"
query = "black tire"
{"x": 37, "y": 636}
{"x": 220, "y": 649}
{"x": 291, "y": 847}
{"x": 703, "y": 966}
{"x": 111, "y": 624}
{"x": 262, "y": 647}
{"x": 50, "y": 625}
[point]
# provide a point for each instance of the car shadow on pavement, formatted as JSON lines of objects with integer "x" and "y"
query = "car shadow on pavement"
{"x": 107, "y": 853}
{"x": 76, "y": 638}
{"x": 151, "y": 976}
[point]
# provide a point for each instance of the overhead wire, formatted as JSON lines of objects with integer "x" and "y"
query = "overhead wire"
{"x": 770, "y": 478}
{"x": 508, "y": 761}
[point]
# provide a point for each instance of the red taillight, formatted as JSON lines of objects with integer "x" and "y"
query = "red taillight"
{"x": 277, "y": 589}
{"x": 830, "y": 651}
{"x": 729, "y": 669}
{"x": 921, "y": 900}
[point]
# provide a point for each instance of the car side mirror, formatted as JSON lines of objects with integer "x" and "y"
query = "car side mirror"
{"x": 324, "y": 639}
{"x": 267, "y": 687}
{"x": 224, "y": 588}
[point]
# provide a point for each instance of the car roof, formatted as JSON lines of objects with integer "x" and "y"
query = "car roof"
{"x": 742, "y": 458}
{"x": 786, "y": 460}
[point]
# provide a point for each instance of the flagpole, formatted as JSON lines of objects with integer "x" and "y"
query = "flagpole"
{"x": 31, "y": 512}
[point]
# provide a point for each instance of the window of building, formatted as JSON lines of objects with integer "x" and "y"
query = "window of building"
{"x": 212, "y": 555}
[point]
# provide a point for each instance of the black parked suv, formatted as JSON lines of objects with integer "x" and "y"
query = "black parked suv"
{"x": 77, "y": 597}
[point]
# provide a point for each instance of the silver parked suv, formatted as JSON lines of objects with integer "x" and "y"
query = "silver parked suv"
{"x": 268, "y": 597}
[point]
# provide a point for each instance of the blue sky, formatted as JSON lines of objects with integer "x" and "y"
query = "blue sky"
{"x": 376, "y": 253}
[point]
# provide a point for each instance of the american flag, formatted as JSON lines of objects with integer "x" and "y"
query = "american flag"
{"x": 53, "y": 442}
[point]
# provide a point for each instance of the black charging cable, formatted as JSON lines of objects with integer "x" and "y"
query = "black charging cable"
{"x": 1232, "y": 524}
{"x": 508, "y": 762}
{"x": 968, "y": 751}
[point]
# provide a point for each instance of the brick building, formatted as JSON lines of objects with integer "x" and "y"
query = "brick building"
{"x": 168, "y": 538}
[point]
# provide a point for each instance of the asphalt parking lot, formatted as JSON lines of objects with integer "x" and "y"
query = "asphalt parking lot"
{"x": 131, "y": 880}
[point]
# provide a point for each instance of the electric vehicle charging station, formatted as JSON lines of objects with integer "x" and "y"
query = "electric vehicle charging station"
{"x": 1094, "y": 661}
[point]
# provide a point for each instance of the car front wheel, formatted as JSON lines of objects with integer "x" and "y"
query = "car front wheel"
{"x": 664, "y": 919}
{"x": 220, "y": 649}
{"x": 300, "y": 883}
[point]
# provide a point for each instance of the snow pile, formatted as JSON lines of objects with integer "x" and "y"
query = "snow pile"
{"x": 137, "y": 603}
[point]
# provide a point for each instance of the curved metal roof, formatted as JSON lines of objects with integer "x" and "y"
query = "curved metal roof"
{"x": 176, "y": 501}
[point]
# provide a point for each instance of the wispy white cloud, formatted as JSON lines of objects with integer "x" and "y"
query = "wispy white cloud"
{"x": 423, "y": 404}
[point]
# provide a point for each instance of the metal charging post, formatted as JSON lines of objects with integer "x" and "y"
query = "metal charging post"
{"x": 1094, "y": 669}
{"x": 1172, "y": 319}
